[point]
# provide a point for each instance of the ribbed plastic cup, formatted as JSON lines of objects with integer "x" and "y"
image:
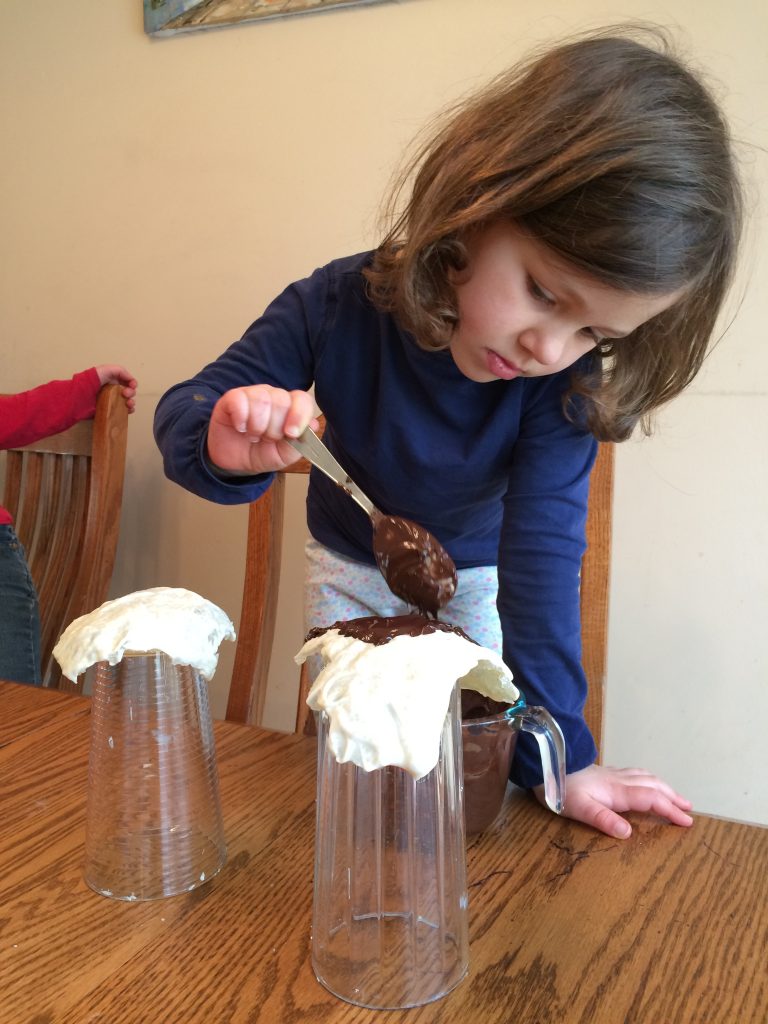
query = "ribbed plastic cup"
{"x": 389, "y": 927}
{"x": 154, "y": 825}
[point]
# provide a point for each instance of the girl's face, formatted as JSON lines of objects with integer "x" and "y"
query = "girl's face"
{"x": 524, "y": 312}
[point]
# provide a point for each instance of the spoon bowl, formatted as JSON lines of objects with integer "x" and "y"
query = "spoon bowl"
{"x": 415, "y": 565}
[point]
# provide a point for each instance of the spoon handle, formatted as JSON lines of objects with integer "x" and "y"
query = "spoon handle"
{"x": 314, "y": 451}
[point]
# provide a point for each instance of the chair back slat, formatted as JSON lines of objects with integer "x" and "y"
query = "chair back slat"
{"x": 595, "y": 579}
{"x": 105, "y": 497}
{"x": 57, "y": 583}
{"x": 43, "y": 537}
{"x": 65, "y": 494}
{"x": 28, "y": 505}
{"x": 259, "y": 609}
{"x": 77, "y": 440}
{"x": 42, "y": 515}
{"x": 258, "y": 614}
{"x": 13, "y": 472}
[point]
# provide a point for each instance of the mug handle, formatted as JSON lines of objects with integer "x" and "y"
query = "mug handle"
{"x": 549, "y": 736}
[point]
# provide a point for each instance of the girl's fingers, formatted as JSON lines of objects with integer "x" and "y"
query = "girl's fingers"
{"x": 246, "y": 410}
{"x": 300, "y": 414}
{"x": 605, "y": 819}
{"x": 644, "y": 798}
{"x": 281, "y": 406}
{"x": 641, "y": 777}
{"x": 263, "y": 412}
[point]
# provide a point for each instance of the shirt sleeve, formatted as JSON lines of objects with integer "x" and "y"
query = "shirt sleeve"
{"x": 278, "y": 349}
{"x": 48, "y": 409}
{"x": 542, "y": 545}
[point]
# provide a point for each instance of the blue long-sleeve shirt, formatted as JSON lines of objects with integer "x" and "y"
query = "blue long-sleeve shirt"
{"x": 494, "y": 470}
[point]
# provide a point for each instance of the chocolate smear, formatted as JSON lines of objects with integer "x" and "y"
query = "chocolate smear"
{"x": 380, "y": 629}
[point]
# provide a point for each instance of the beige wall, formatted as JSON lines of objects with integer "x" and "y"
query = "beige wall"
{"x": 157, "y": 193}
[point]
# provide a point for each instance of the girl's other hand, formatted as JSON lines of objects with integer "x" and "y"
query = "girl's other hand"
{"x": 595, "y": 794}
{"x": 249, "y": 426}
{"x": 111, "y": 373}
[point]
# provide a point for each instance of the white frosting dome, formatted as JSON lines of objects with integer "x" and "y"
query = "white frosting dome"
{"x": 387, "y": 702}
{"x": 178, "y": 622}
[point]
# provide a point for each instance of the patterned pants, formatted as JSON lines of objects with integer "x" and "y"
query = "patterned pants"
{"x": 340, "y": 588}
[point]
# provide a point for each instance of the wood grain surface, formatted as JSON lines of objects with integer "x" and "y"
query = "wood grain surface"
{"x": 566, "y": 925}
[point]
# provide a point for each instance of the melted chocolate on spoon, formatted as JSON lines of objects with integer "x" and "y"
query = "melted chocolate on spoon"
{"x": 415, "y": 565}
{"x": 380, "y": 629}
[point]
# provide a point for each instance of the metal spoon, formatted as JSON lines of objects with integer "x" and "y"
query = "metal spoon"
{"x": 415, "y": 565}
{"x": 314, "y": 451}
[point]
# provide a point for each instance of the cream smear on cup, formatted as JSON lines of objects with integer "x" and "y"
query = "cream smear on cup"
{"x": 178, "y": 622}
{"x": 386, "y": 684}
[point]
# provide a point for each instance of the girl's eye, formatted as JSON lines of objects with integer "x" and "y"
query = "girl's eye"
{"x": 539, "y": 294}
{"x": 592, "y": 334}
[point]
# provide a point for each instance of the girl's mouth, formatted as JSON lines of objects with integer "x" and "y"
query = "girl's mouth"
{"x": 500, "y": 367}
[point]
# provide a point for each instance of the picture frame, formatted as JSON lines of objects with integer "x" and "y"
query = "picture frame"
{"x": 169, "y": 17}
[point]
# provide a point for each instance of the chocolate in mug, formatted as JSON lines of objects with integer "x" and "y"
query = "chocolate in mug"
{"x": 489, "y": 732}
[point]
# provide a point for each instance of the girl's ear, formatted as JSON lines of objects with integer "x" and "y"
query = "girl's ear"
{"x": 458, "y": 277}
{"x": 465, "y": 241}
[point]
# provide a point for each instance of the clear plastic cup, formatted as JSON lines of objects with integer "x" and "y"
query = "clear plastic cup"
{"x": 389, "y": 927}
{"x": 154, "y": 825}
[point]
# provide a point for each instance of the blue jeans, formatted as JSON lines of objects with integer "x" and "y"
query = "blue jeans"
{"x": 19, "y": 613}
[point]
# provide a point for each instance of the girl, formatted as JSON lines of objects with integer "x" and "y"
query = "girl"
{"x": 554, "y": 277}
{"x": 24, "y": 418}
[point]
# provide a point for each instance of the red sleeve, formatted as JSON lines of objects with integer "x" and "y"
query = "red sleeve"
{"x": 47, "y": 409}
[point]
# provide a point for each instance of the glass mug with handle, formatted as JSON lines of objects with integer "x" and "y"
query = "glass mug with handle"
{"x": 489, "y": 732}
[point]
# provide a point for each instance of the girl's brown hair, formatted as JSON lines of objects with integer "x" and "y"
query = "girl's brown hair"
{"x": 615, "y": 156}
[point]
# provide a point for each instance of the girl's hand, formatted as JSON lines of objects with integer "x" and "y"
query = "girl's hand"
{"x": 111, "y": 373}
{"x": 595, "y": 794}
{"x": 249, "y": 425}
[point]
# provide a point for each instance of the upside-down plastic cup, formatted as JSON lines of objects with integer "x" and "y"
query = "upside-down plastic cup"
{"x": 389, "y": 927}
{"x": 154, "y": 825}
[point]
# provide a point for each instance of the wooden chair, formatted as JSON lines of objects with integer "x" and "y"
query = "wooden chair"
{"x": 65, "y": 493}
{"x": 248, "y": 689}
{"x": 262, "y": 575}
{"x": 595, "y": 580}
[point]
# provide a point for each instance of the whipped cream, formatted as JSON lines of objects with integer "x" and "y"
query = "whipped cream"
{"x": 178, "y": 622}
{"x": 387, "y": 702}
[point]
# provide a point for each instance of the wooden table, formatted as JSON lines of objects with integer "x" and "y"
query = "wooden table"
{"x": 566, "y": 925}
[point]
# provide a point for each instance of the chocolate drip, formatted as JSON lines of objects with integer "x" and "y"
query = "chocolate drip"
{"x": 415, "y": 565}
{"x": 379, "y": 629}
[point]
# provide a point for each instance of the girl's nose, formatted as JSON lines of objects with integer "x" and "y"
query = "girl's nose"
{"x": 545, "y": 344}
